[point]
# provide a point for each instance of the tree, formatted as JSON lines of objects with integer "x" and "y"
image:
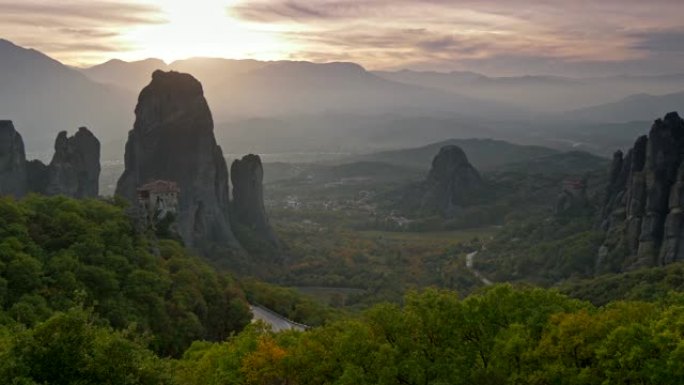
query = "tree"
{"x": 70, "y": 348}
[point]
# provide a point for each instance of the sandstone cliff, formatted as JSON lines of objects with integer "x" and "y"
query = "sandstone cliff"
{"x": 75, "y": 167}
{"x": 74, "y": 170}
{"x": 642, "y": 213}
{"x": 173, "y": 139}
{"x": 13, "y": 177}
{"x": 38, "y": 175}
{"x": 452, "y": 182}
{"x": 247, "y": 176}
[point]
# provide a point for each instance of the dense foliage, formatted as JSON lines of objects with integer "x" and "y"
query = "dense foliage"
{"x": 384, "y": 265}
{"x": 87, "y": 299}
{"x": 58, "y": 253}
{"x": 72, "y": 348}
{"x": 648, "y": 284}
{"x": 288, "y": 302}
{"x": 503, "y": 336}
{"x": 543, "y": 250}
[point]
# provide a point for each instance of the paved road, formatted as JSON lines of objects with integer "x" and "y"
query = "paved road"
{"x": 470, "y": 264}
{"x": 278, "y": 323}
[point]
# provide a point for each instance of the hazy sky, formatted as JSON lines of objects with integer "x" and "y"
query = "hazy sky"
{"x": 569, "y": 37}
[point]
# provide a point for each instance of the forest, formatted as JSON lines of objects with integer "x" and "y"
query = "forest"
{"x": 58, "y": 254}
{"x": 86, "y": 299}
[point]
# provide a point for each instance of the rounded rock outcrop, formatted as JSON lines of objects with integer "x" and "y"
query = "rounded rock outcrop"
{"x": 452, "y": 182}
{"x": 75, "y": 167}
{"x": 13, "y": 174}
{"x": 642, "y": 212}
{"x": 247, "y": 176}
{"x": 173, "y": 140}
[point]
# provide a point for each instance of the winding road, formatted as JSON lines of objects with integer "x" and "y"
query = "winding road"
{"x": 470, "y": 264}
{"x": 278, "y": 323}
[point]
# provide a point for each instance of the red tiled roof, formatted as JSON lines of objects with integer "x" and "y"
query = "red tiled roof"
{"x": 160, "y": 186}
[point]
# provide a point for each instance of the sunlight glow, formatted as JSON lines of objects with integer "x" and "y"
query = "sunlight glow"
{"x": 202, "y": 28}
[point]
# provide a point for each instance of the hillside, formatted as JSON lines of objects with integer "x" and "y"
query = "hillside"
{"x": 598, "y": 138}
{"x": 136, "y": 74}
{"x": 484, "y": 154}
{"x": 544, "y": 94}
{"x": 269, "y": 89}
{"x": 61, "y": 254}
{"x": 641, "y": 107}
{"x": 339, "y": 101}
{"x": 646, "y": 284}
{"x": 43, "y": 97}
{"x": 346, "y": 133}
{"x": 132, "y": 76}
{"x": 327, "y": 107}
{"x": 566, "y": 163}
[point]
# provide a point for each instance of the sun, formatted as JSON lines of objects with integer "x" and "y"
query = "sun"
{"x": 202, "y": 28}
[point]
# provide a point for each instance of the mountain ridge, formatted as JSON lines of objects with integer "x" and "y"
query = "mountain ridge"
{"x": 636, "y": 107}
{"x": 43, "y": 96}
{"x": 476, "y": 149}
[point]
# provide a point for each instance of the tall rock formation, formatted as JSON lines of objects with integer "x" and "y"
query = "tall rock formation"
{"x": 13, "y": 177}
{"x": 74, "y": 170}
{"x": 38, "y": 176}
{"x": 75, "y": 167}
{"x": 642, "y": 212}
{"x": 247, "y": 176}
{"x": 452, "y": 182}
{"x": 173, "y": 139}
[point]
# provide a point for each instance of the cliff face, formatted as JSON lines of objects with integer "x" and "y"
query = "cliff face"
{"x": 38, "y": 176}
{"x": 451, "y": 183}
{"x": 75, "y": 167}
{"x": 247, "y": 176}
{"x": 13, "y": 175}
{"x": 642, "y": 212}
{"x": 74, "y": 170}
{"x": 173, "y": 139}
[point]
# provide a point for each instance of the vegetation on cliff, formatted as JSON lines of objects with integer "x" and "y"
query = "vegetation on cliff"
{"x": 86, "y": 299}
{"x": 57, "y": 254}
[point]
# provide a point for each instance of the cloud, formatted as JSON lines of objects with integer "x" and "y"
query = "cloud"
{"x": 504, "y": 37}
{"x": 108, "y": 12}
{"x": 87, "y": 32}
{"x": 660, "y": 41}
{"x": 471, "y": 34}
{"x": 82, "y": 47}
{"x": 302, "y": 11}
{"x": 73, "y": 30}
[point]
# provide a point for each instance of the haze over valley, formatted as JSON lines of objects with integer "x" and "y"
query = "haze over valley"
{"x": 303, "y": 107}
{"x": 285, "y": 192}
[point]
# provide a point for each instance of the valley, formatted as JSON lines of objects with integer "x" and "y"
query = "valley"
{"x": 385, "y": 216}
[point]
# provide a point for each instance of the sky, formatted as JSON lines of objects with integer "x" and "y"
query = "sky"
{"x": 511, "y": 37}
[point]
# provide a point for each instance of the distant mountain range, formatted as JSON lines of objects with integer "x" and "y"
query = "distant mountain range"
{"x": 484, "y": 154}
{"x": 633, "y": 107}
{"x": 238, "y": 89}
{"x": 43, "y": 97}
{"x": 303, "y": 106}
{"x": 567, "y": 163}
{"x": 545, "y": 94}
